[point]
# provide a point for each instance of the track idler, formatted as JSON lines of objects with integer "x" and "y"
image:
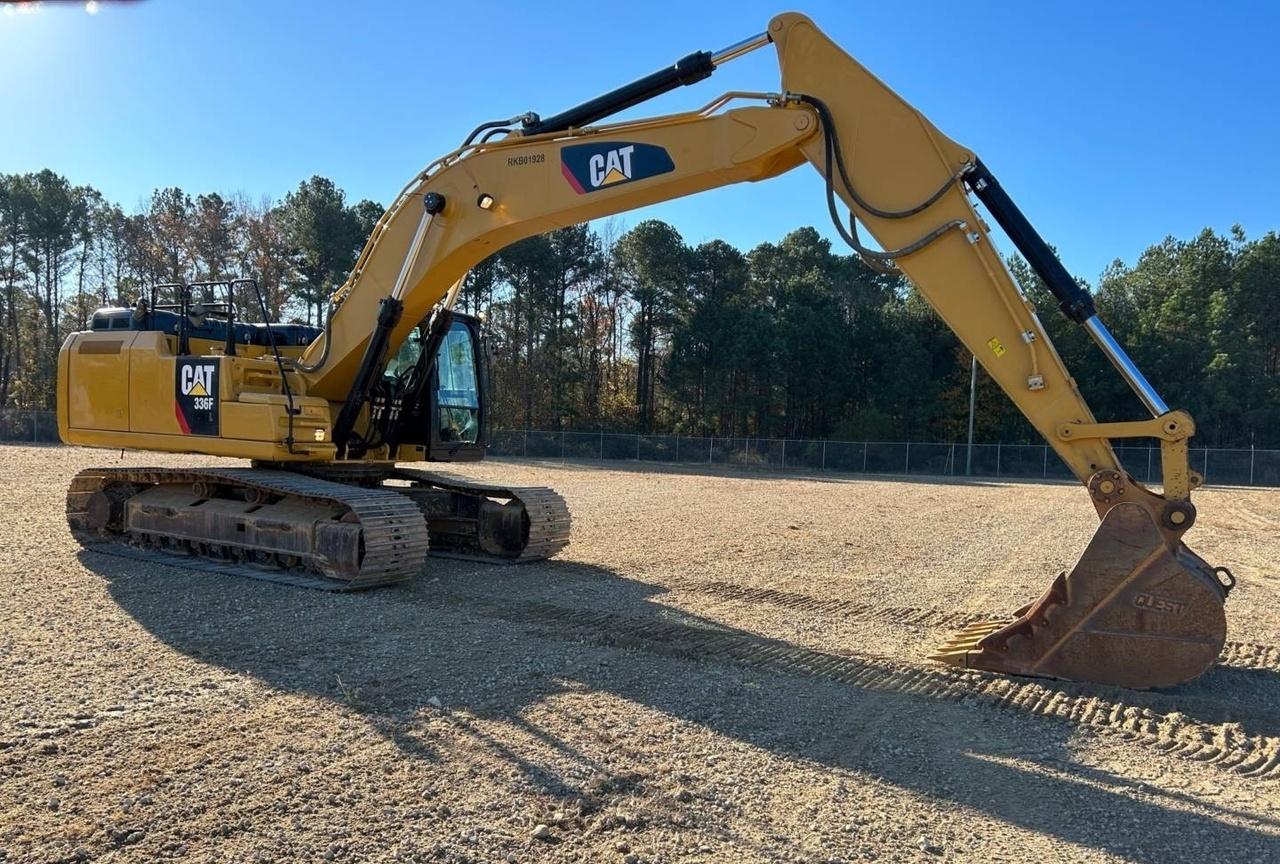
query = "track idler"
{"x": 1133, "y": 612}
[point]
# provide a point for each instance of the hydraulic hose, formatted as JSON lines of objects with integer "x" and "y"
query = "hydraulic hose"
{"x": 881, "y": 261}
{"x": 324, "y": 353}
{"x": 833, "y": 141}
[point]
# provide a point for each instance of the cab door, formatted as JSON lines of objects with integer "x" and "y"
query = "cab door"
{"x": 459, "y": 418}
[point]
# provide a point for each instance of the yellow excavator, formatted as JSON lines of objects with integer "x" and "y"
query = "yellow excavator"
{"x": 329, "y": 416}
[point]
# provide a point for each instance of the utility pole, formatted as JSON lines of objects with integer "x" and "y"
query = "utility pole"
{"x": 973, "y": 395}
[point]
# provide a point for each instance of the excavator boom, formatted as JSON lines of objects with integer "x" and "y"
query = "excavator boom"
{"x": 1139, "y": 609}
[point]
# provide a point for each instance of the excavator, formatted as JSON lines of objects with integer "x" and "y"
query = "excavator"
{"x": 329, "y": 417}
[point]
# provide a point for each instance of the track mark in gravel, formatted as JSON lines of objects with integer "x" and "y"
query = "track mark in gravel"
{"x": 138, "y": 705}
{"x": 914, "y": 616}
{"x": 1222, "y": 745}
{"x": 1240, "y": 514}
{"x": 1249, "y": 655}
{"x": 1239, "y": 655}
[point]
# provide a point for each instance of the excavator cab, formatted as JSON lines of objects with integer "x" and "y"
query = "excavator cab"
{"x": 433, "y": 391}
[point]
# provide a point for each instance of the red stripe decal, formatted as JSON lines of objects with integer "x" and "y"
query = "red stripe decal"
{"x": 182, "y": 421}
{"x": 573, "y": 181}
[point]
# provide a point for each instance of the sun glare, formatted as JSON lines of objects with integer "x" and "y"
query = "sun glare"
{"x": 25, "y": 8}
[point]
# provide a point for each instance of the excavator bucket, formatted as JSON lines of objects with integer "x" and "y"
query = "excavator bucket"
{"x": 1131, "y": 613}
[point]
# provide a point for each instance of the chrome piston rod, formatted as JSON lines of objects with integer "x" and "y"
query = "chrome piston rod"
{"x": 736, "y": 50}
{"x": 1125, "y": 366}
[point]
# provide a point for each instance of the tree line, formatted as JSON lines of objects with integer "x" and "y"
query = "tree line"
{"x": 594, "y": 327}
{"x": 65, "y": 251}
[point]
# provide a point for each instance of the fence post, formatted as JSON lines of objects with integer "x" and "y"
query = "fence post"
{"x": 637, "y": 446}
{"x": 784, "y": 454}
{"x": 526, "y": 442}
{"x": 864, "y": 457}
{"x": 1206, "y": 466}
{"x": 1251, "y": 452}
{"x": 906, "y": 468}
{"x": 1045, "y": 472}
{"x": 824, "y": 455}
{"x": 562, "y": 446}
{"x": 1149, "y": 463}
{"x": 35, "y": 427}
{"x": 998, "y": 459}
{"x": 711, "y": 446}
{"x": 601, "y": 445}
{"x": 951, "y": 461}
{"x": 677, "y": 448}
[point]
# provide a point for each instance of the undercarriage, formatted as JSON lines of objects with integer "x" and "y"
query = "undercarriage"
{"x": 336, "y": 527}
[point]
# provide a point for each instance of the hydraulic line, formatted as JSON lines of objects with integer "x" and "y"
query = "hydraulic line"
{"x": 883, "y": 259}
{"x": 883, "y": 262}
{"x": 324, "y": 353}
{"x": 527, "y": 117}
{"x": 828, "y": 125}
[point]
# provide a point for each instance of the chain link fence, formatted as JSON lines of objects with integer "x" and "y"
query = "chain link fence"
{"x": 29, "y": 427}
{"x": 1220, "y": 466}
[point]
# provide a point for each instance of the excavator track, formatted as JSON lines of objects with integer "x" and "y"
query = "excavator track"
{"x": 467, "y": 520}
{"x": 274, "y": 525}
{"x": 495, "y": 524}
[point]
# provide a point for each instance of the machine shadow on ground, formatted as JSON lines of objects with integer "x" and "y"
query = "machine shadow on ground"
{"x": 491, "y": 642}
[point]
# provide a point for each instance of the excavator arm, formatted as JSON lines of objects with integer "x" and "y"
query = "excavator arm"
{"x": 1139, "y": 609}
{"x": 881, "y": 158}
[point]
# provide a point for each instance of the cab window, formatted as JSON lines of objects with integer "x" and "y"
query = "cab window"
{"x": 457, "y": 392}
{"x": 407, "y": 357}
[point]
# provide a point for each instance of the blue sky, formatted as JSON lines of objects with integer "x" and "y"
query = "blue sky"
{"x": 1112, "y": 124}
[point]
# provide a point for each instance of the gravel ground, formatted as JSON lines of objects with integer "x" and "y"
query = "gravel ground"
{"x": 721, "y": 667}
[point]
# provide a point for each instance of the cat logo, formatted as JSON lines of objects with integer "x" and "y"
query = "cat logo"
{"x": 612, "y": 167}
{"x": 591, "y": 167}
{"x": 197, "y": 380}
{"x": 195, "y": 404}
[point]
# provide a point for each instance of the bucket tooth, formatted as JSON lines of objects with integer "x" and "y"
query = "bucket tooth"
{"x": 1132, "y": 613}
{"x": 988, "y": 627}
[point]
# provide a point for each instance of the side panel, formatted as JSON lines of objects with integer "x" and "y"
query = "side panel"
{"x": 98, "y": 380}
{"x": 151, "y": 396}
{"x": 127, "y": 390}
{"x": 232, "y": 447}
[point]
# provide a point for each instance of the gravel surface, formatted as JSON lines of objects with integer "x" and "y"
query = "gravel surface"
{"x": 721, "y": 667}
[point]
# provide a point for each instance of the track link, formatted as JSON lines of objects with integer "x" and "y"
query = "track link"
{"x": 530, "y": 523}
{"x": 467, "y": 520}
{"x": 389, "y": 546}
